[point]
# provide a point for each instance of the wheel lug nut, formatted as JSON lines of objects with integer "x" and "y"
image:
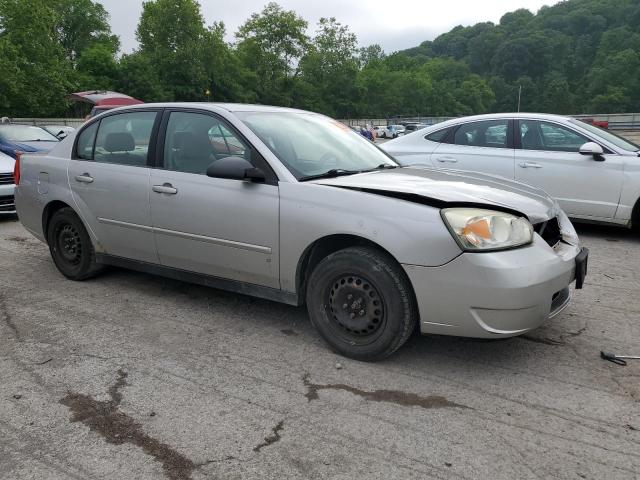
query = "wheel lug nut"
{"x": 345, "y": 306}
{"x": 361, "y": 312}
{"x": 349, "y": 297}
{"x": 352, "y": 315}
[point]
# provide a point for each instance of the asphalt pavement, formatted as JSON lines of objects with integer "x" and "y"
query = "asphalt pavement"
{"x": 131, "y": 376}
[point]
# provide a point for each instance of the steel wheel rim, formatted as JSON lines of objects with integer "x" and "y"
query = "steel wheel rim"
{"x": 355, "y": 309}
{"x": 69, "y": 244}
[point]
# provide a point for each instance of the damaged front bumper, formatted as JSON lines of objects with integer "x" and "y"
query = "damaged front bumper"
{"x": 497, "y": 294}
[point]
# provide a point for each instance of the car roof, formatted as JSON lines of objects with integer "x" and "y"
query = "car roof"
{"x": 497, "y": 116}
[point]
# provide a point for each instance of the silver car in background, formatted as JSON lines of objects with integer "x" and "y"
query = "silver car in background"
{"x": 6, "y": 185}
{"x": 295, "y": 207}
{"x": 592, "y": 173}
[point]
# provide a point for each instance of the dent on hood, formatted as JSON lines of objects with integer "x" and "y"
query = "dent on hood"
{"x": 436, "y": 203}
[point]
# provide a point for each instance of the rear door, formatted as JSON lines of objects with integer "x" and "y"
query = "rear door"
{"x": 109, "y": 180}
{"x": 220, "y": 227}
{"x": 548, "y": 158}
{"x": 483, "y": 146}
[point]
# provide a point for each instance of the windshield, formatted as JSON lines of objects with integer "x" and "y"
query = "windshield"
{"x": 25, "y": 133}
{"x": 309, "y": 144}
{"x": 608, "y": 136}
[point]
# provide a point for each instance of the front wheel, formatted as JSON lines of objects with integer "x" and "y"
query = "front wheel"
{"x": 70, "y": 246}
{"x": 361, "y": 302}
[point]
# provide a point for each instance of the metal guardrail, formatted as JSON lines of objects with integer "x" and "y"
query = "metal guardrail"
{"x": 67, "y": 122}
{"x": 617, "y": 121}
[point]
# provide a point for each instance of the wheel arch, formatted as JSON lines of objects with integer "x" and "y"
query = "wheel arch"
{"x": 321, "y": 248}
{"x": 51, "y": 208}
{"x": 635, "y": 215}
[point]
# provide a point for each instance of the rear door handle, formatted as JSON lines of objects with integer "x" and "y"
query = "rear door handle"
{"x": 530, "y": 165}
{"x": 165, "y": 188}
{"x": 446, "y": 160}
{"x": 84, "y": 178}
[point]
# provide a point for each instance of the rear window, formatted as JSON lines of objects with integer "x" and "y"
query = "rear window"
{"x": 26, "y": 133}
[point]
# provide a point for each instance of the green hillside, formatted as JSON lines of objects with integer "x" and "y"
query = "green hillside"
{"x": 577, "y": 56}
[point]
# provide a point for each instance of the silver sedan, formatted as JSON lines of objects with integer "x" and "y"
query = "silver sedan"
{"x": 295, "y": 207}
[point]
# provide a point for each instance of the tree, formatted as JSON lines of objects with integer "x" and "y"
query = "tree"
{"x": 173, "y": 38}
{"x": 138, "y": 78}
{"x": 35, "y": 58}
{"x": 330, "y": 66}
{"x": 271, "y": 44}
{"x": 80, "y": 24}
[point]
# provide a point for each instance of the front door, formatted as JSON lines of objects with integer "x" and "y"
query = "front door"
{"x": 549, "y": 159}
{"x": 483, "y": 146}
{"x": 219, "y": 227}
{"x": 109, "y": 180}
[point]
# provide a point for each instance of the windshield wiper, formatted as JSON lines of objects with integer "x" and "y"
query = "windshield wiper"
{"x": 382, "y": 166}
{"x": 334, "y": 172}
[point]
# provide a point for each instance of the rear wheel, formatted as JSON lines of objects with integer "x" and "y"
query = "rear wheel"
{"x": 70, "y": 246}
{"x": 361, "y": 302}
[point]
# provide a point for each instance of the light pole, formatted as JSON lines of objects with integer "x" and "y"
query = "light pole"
{"x": 519, "y": 96}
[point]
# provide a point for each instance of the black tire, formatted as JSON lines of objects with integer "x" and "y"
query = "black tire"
{"x": 70, "y": 246}
{"x": 361, "y": 302}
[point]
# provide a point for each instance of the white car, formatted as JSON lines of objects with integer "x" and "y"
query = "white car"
{"x": 386, "y": 132}
{"x": 593, "y": 173}
{"x": 6, "y": 185}
{"x": 399, "y": 129}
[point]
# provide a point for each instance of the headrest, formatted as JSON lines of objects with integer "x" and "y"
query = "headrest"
{"x": 182, "y": 139}
{"x": 119, "y": 142}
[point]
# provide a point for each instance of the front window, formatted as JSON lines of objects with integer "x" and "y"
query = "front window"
{"x": 194, "y": 141}
{"x": 618, "y": 141}
{"x": 309, "y": 144}
{"x": 545, "y": 136}
{"x": 25, "y": 133}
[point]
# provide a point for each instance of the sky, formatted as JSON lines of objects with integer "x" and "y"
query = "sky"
{"x": 395, "y": 25}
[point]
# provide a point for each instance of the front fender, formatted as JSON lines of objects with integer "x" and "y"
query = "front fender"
{"x": 413, "y": 234}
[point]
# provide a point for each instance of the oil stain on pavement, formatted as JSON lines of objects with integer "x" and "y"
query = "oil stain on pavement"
{"x": 118, "y": 428}
{"x": 398, "y": 397}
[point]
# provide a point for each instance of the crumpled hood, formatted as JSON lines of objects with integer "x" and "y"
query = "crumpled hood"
{"x": 6, "y": 163}
{"x": 449, "y": 186}
{"x": 32, "y": 147}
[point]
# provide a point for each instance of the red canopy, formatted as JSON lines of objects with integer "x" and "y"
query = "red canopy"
{"x": 104, "y": 98}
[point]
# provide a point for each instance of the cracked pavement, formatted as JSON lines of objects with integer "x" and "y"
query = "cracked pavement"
{"x": 139, "y": 377}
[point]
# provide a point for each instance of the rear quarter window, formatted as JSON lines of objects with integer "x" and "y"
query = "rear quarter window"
{"x": 438, "y": 136}
{"x": 86, "y": 141}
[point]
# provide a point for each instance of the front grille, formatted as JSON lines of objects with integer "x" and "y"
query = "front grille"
{"x": 6, "y": 178}
{"x": 6, "y": 204}
{"x": 549, "y": 231}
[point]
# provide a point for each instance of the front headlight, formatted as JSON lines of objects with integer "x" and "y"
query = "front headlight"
{"x": 477, "y": 229}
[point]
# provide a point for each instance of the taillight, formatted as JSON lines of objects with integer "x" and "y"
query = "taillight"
{"x": 16, "y": 169}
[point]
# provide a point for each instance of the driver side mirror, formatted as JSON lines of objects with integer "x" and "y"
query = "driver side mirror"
{"x": 592, "y": 148}
{"x": 235, "y": 168}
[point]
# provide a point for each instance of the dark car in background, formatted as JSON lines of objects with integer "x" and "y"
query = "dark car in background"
{"x": 25, "y": 138}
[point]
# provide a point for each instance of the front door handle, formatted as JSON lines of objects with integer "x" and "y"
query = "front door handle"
{"x": 165, "y": 188}
{"x": 84, "y": 178}
{"x": 446, "y": 160}
{"x": 530, "y": 165}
